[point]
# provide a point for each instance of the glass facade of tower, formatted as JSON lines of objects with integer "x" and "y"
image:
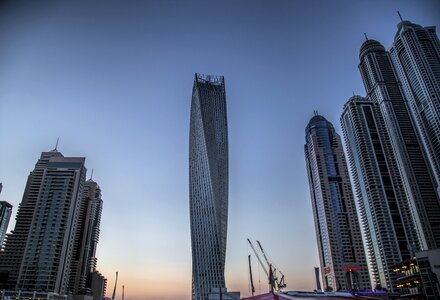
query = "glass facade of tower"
{"x": 416, "y": 56}
{"x": 208, "y": 184}
{"x": 341, "y": 252}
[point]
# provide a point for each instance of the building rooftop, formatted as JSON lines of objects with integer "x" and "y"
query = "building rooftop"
{"x": 355, "y": 98}
{"x": 210, "y": 79}
{"x": 318, "y": 120}
{"x": 370, "y": 46}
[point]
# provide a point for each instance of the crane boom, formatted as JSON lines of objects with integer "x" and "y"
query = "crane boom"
{"x": 258, "y": 257}
{"x": 262, "y": 251}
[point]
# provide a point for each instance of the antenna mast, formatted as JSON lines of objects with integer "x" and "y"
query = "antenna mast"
{"x": 400, "y": 16}
{"x": 56, "y": 145}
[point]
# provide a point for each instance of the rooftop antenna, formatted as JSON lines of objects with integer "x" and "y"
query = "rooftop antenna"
{"x": 353, "y": 96}
{"x": 56, "y": 145}
{"x": 400, "y": 16}
{"x": 366, "y": 37}
{"x": 91, "y": 175}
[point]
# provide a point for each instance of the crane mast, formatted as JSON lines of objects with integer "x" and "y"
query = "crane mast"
{"x": 250, "y": 274}
{"x": 114, "y": 290}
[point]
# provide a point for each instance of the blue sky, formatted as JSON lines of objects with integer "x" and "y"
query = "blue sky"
{"x": 113, "y": 81}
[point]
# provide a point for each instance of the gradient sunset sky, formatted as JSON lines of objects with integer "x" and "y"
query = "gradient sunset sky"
{"x": 113, "y": 80}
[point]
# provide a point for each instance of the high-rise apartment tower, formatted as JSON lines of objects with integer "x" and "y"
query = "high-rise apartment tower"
{"x": 15, "y": 242}
{"x": 48, "y": 254}
{"x": 208, "y": 184}
{"x": 38, "y": 252}
{"x": 416, "y": 56}
{"x": 341, "y": 252}
{"x": 384, "y": 89}
{"x": 388, "y": 226}
{"x": 86, "y": 240}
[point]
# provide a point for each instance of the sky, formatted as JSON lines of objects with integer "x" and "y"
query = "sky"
{"x": 113, "y": 81}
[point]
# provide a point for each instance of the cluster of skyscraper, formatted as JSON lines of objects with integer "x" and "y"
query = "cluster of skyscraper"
{"x": 392, "y": 139}
{"x": 52, "y": 247}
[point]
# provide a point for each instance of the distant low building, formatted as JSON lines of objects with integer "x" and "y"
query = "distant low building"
{"x": 301, "y": 295}
{"x": 223, "y": 294}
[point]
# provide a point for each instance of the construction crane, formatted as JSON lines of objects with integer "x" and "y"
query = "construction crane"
{"x": 280, "y": 283}
{"x": 271, "y": 274}
{"x": 258, "y": 257}
{"x": 114, "y": 290}
{"x": 250, "y": 274}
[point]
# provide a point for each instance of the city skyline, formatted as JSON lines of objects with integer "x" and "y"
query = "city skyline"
{"x": 96, "y": 89}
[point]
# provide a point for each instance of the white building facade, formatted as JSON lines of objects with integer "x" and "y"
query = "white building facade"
{"x": 416, "y": 56}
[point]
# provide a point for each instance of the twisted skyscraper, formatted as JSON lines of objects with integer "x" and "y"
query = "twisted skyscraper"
{"x": 208, "y": 184}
